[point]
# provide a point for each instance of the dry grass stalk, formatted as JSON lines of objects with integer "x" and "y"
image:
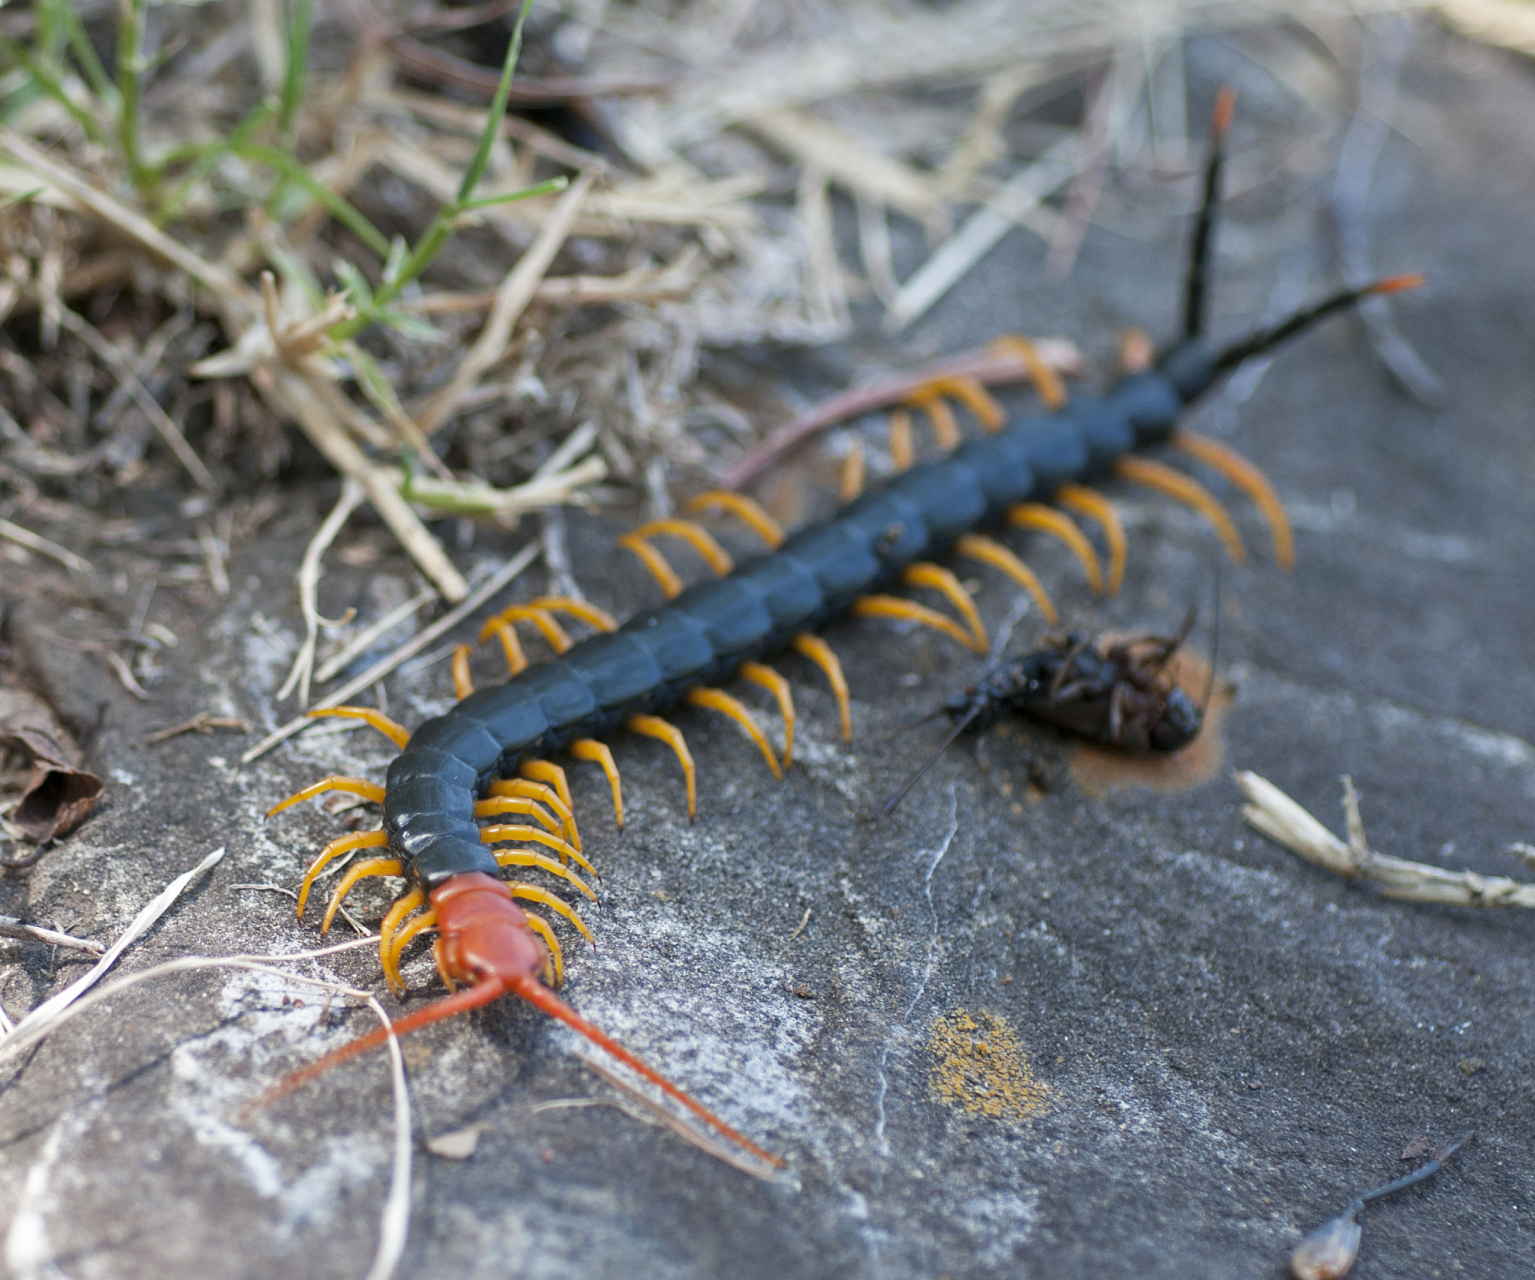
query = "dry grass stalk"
{"x": 1286, "y": 823}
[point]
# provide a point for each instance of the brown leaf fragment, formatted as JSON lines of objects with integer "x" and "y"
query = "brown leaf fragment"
{"x": 59, "y": 793}
{"x": 1415, "y": 1150}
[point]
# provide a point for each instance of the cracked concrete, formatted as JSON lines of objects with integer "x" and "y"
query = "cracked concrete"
{"x": 1233, "y": 1041}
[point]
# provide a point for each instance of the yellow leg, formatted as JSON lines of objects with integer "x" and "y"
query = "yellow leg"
{"x": 332, "y": 851}
{"x": 511, "y": 646}
{"x": 894, "y": 607}
{"x": 426, "y": 920}
{"x": 1047, "y": 385}
{"x": 533, "y": 791}
{"x": 1035, "y": 515}
{"x": 388, "y": 948}
{"x": 744, "y": 510}
{"x": 937, "y": 578}
{"x": 394, "y": 732}
{"x": 1136, "y": 351}
{"x": 1250, "y": 481}
{"x": 719, "y": 700}
{"x": 655, "y": 727}
{"x": 558, "y": 638}
{"x": 522, "y": 858}
{"x": 851, "y": 484}
{"x": 976, "y": 398}
{"x": 1089, "y": 502}
{"x": 336, "y": 782}
{"x": 597, "y": 753}
{"x": 939, "y": 415}
{"x": 357, "y": 871}
{"x": 543, "y": 771}
{"x": 695, "y": 535}
{"x": 1159, "y": 476}
{"x": 442, "y": 969}
{"x": 975, "y": 546}
{"x": 653, "y": 560}
{"x": 544, "y": 930}
{"x": 463, "y": 683}
{"x": 902, "y": 452}
{"x": 528, "y": 808}
{"x": 775, "y": 684}
{"x": 820, "y": 653}
{"x": 532, "y": 893}
{"x": 597, "y": 619}
{"x": 498, "y": 832}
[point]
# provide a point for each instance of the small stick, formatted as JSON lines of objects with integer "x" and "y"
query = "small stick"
{"x": 203, "y": 722}
{"x": 309, "y": 585}
{"x": 26, "y": 538}
{"x": 1284, "y": 822}
{"x": 11, "y": 927}
{"x": 370, "y": 633}
{"x": 986, "y": 367}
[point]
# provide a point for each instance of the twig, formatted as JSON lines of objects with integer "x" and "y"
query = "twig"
{"x": 203, "y": 722}
{"x": 987, "y": 367}
{"x": 370, "y": 633}
{"x": 309, "y": 585}
{"x": 409, "y": 649}
{"x": 26, "y": 538}
{"x": 11, "y": 927}
{"x": 512, "y": 298}
{"x": 122, "y": 369}
{"x": 1283, "y": 821}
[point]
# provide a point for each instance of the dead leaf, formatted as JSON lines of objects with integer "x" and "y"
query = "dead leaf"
{"x": 59, "y": 793}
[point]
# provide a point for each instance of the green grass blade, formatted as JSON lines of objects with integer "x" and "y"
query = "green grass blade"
{"x": 297, "y": 69}
{"x": 338, "y": 207}
{"x": 538, "y": 189}
{"x": 497, "y": 113}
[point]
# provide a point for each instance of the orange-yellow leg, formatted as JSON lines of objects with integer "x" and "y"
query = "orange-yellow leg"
{"x": 655, "y": 727}
{"x": 973, "y": 396}
{"x": 695, "y": 535}
{"x": 388, "y": 945}
{"x": 665, "y": 576}
{"x": 357, "y": 871}
{"x": 744, "y": 510}
{"x": 1136, "y": 351}
{"x": 1159, "y": 476}
{"x": 1091, "y": 503}
{"x": 760, "y": 674}
{"x": 336, "y": 782}
{"x": 719, "y": 700}
{"x": 597, "y": 753}
{"x": 420, "y": 924}
{"x": 544, "y": 771}
{"x": 545, "y": 795}
{"x": 533, "y": 893}
{"x": 851, "y": 483}
{"x": 1035, "y": 515}
{"x": 332, "y": 851}
{"x": 894, "y": 607}
{"x": 498, "y": 832}
{"x": 597, "y": 619}
{"x": 559, "y": 825}
{"x": 1250, "y": 481}
{"x": 936, "y": 578}
{"x": 442, "y": 968}
{"x": 396, "y": 733}
{"x": 511, "y": 646}
{"x": 903, "y": 451}
{"x": 820, "y": 653}
{"x": 1047, "y": 383}
{"x": 975, "y": 546}
{"x": 557, "y": 637}
{"x": 522, "y": 858}
{"x": 930, "y": 400}
{"x": 544, "y": 930}
{"x": 463, "y": 682}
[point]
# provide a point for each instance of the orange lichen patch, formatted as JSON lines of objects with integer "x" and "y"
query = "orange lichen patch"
{"x": 1099, "y": 770}
{"x": 982, "y": 1068}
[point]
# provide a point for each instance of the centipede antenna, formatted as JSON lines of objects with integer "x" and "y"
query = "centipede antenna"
{"x": 1204, "y": 227}
{"x": 1266, "y": 338}
{"x": 891, "y": 804}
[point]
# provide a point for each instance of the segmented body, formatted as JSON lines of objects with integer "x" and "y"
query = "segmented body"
{"x": 707, "y": 632}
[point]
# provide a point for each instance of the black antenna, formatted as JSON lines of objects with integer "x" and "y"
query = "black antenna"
{"x": 890, "y": 805}
{"x": 1204, "y": 229}
{"x": 1266, "y": 338}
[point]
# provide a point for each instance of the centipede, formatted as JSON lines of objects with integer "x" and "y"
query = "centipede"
{"x": 453, "y": 797}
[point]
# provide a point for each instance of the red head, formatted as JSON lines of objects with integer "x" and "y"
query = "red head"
{"x": 483, "y": 936}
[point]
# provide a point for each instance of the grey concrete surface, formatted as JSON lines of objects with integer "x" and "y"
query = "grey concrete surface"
{"x": 1228, "y": 1043}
